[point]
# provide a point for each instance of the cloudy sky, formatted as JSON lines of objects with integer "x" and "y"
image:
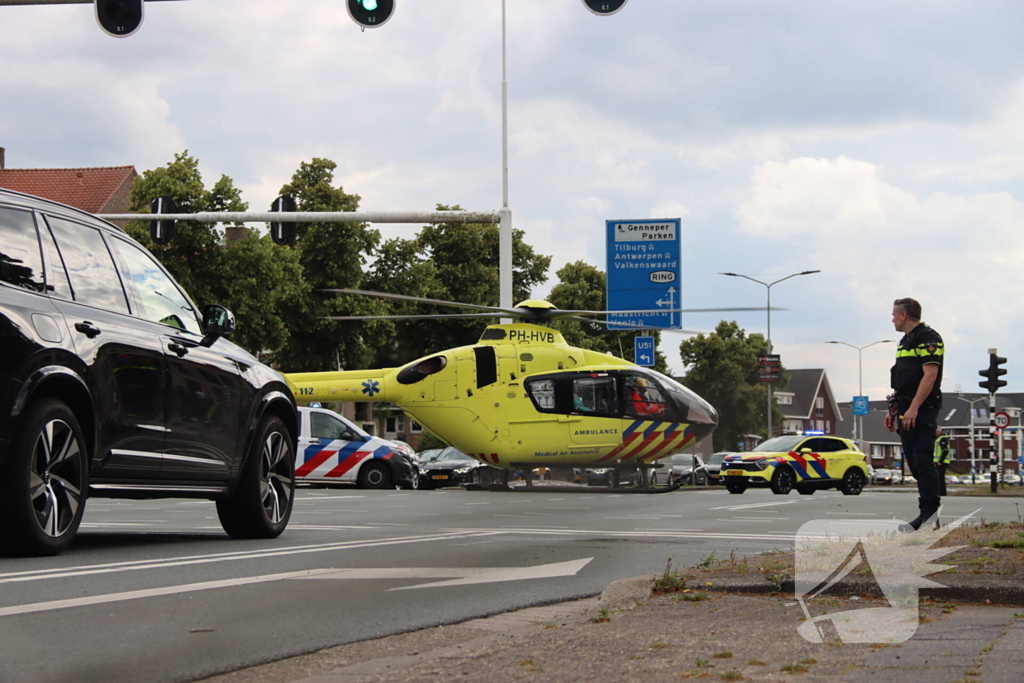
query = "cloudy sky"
{"x": 880, "y": 141}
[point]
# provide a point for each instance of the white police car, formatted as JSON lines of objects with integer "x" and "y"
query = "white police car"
{"x": 333, "y": 450}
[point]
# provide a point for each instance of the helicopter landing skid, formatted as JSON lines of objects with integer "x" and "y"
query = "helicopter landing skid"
{"x": 571, "y": 489}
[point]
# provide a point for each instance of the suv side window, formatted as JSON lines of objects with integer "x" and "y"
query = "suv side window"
{"x": 21, "y": 264}
{"x": 57, "y": 282}
{"x": 91, "y": 268}
{"x": 162, "y": 301}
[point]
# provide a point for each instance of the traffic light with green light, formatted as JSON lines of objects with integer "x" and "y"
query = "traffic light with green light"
{"x": 370, "y": 13}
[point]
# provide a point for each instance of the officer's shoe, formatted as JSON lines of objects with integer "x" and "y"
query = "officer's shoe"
{"x": 928, "y": 508}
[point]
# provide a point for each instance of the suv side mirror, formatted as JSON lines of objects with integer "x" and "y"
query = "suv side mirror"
{"x": 217, "y": 322}
{"x": 805, "y": 451}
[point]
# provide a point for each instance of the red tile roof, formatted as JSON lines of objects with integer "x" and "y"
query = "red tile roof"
{"x": 88, "y": 189}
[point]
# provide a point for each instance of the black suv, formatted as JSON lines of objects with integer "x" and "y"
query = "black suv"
{"x": 112, "y": 384}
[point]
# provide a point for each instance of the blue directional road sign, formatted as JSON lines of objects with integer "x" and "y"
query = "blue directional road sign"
{"x": 644, "y": 269}
{"x": 643, "y": 351}
{"x": 861, "y": 405}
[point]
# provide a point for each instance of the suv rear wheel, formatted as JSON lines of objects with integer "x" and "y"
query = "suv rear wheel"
{"x": 262, "y": 502}
{"x": 42, "y": 491}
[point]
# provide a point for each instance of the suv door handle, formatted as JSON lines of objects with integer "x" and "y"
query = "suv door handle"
{"x": 178, "y": 349}
{"x": 87, "y": 328}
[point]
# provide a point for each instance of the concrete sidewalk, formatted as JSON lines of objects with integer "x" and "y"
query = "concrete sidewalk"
{"x": 629, "y": 635}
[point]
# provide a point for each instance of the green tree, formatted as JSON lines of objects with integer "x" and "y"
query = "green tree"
{"x": 254, "y": 278}
{"x": 582, "y": 286}
{"x": 722, "y": 368}
{"x": 451, "y": 262}
{"x": 333, "y": 255}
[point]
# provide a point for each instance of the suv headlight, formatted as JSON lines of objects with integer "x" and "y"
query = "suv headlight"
{"x": 762, "y": 464}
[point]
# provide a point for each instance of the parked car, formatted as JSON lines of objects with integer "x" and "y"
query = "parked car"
{"x": 688, "y": 468}
{"x": 887, "y": 476}
{"x": 452, "y": 467}
{"x": 871, "y": 475}
{"x": 334, "y": 450}
{"x": 113, "y": 383}
{"x": 795, "y": 461}
{"x": 625, "y": 476}
{"x": 713, "y": 466}
{"x": 1011, "y": 478}
{"x": 952, "y": 479}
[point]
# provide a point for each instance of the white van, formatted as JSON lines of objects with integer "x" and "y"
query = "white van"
{"x": 333, "y": 450}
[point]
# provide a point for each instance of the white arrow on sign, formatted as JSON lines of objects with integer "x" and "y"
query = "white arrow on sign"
{"x": 671, "y": 303}
{"x": 456, "y": 576}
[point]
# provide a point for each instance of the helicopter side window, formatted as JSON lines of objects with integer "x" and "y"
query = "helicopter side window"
{"x": 643, "y": 399}
{"x": 594, "y": 395}
{"x": 543, "y": 394}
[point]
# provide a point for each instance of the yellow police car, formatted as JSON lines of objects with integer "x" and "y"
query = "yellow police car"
{"x": 802, "y": 462}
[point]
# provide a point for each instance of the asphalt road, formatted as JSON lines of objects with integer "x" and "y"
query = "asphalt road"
{"x": 155, "y": 591}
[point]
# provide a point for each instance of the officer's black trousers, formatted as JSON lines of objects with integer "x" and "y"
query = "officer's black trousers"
{"x": 918, "y": 451}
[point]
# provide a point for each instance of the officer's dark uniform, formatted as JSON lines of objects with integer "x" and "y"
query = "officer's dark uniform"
{"x": 919, "y": 347}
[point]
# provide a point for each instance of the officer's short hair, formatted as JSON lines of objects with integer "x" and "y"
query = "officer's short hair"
{"x": 909, "y": 306}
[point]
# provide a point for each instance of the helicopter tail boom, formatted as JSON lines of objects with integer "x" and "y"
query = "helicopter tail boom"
{"x": 342, "y": 386}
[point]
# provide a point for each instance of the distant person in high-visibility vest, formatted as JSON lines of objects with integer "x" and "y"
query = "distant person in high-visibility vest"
{"x": 941, "y": 457}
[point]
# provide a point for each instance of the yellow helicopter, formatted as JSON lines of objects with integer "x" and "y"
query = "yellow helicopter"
{"x": 523, "y": 398}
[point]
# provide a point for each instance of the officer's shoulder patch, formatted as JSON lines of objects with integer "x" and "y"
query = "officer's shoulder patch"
{"x": 931, "y": 347}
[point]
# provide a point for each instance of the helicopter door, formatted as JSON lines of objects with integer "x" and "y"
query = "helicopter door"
{"x": 596, "y": 408}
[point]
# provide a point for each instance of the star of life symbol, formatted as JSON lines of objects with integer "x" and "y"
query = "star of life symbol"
{"x": 891, "y": 561}
{"x": 371, "y": 387}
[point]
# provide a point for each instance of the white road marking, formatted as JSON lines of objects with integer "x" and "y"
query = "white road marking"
{"x": 456, "y": 576}
{"x": 752, "y": 505}
{"x": 90, "y": 570}
{"x": 747, "y": 519}
{"x": 761, "y": 519}
{"x": 546, "y": 507}
{"x": 562, "y": 531}
{"x": 100, "y": 525}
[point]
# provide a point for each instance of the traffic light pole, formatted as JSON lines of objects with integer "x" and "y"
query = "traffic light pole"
{"x": 995, "y": 438}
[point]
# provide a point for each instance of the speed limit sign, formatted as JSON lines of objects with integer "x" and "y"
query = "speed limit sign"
{"x": 1002, "y": 420}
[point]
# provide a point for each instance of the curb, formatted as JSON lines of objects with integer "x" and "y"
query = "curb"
{"x": 961, "y": 591}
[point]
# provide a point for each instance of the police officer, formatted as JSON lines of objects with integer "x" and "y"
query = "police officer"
{"x": 940, "y": 456}
{"x": 916, "y": 400}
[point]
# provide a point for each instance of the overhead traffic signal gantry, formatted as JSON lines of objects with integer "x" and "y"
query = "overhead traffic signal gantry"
{"x": 993, "y": 373}
{"x": 371, "y": 13}
{"x": 604, "y": 7}
{"x": 119, "y": 18}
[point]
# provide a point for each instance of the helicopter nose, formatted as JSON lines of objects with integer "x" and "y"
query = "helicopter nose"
{"x": 701, "y": 415}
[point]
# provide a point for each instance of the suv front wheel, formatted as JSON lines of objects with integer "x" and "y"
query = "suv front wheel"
{"x": 261, "y": 504}
{"x": 42, "y": 491}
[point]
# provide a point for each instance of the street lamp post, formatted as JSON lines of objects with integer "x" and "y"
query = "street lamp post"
{"x": 768, "y": 308}
{"x": 859, "y": 423}
{"x": 972, "y": 401}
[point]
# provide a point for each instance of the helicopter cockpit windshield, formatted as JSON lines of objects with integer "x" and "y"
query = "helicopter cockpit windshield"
{"x": 631, "y": 394}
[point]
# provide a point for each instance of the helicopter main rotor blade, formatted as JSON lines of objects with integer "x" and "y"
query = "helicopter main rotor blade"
{"x": 436, "y": 302}
{"x": 556, "y": 314}
{"x": 639, "y": 327}
{"x": 436, "y": 316}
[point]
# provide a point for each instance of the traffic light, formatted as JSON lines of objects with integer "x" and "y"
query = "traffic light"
{"x": 371, "y": 13}
{"x": 283, "y": 233}
{"x": 993, "y": 373}
{"x": 604, "y": 7}
{"x": 162, "y": 231}
{"x": 119, "y": 18}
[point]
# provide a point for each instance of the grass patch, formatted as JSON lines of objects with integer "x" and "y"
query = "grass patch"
{"x": 794, "y": 669}
{"x": 659, "y": 646}
{"x": 687, "y": 596}
{"x": 722, "y": 655}
{"x": 756, "y": 662}
{"x": 732, "y": 676}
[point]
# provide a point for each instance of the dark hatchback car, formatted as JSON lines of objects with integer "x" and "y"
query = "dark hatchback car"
{"x": 113, "y": 384}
